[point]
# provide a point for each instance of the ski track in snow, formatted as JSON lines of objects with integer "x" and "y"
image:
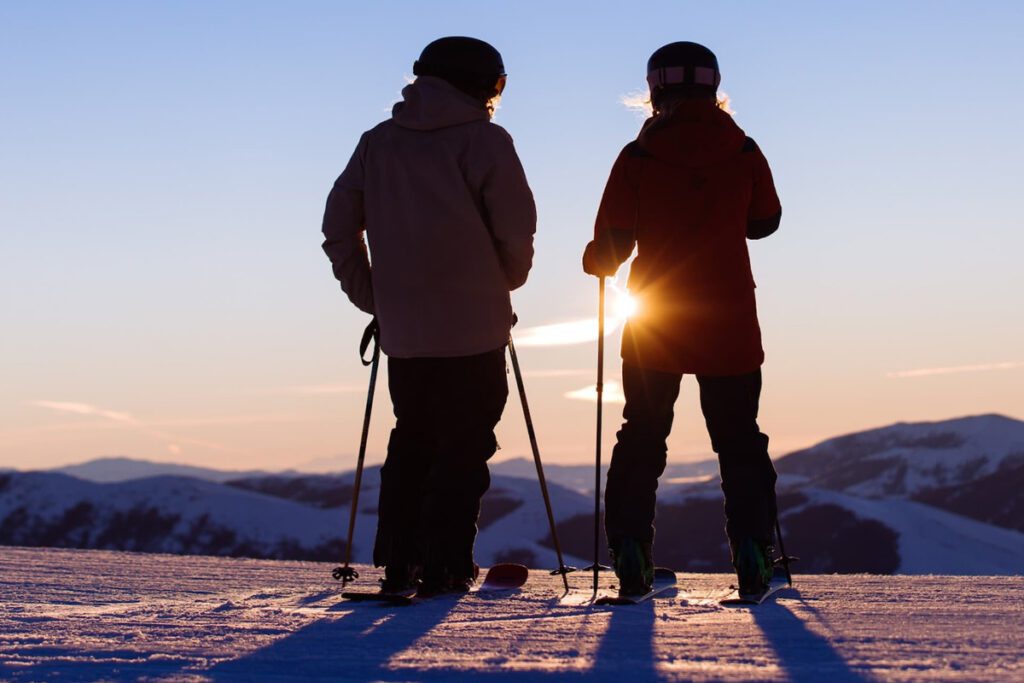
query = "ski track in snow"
{"x": 98, "y": 615}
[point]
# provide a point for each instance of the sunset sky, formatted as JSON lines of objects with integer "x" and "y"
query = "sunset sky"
{"x": 163, "y": 171}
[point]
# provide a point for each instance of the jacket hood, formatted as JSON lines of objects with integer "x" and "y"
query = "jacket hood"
{"x": 430, "y": 103}
{"x": 694, "y": 134}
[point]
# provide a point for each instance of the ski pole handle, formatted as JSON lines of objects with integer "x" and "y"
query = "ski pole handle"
{"x": 370, "y": 334}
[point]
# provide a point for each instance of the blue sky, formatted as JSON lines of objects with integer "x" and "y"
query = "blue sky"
{"x": 163, "y": 172}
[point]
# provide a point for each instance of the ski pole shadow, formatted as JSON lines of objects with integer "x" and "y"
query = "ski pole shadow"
{"x": 803, "y": 654}
{"x": 356, "y": 646}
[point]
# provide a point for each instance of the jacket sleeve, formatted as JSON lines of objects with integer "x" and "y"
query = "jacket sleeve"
{"x": 615, "y": 227}
{"x": 508, "y": 207}
{"x": 344, "y": 232}
{"x": 765, "y": 211}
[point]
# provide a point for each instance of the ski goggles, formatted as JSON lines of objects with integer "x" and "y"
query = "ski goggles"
{"x": 681, "y": 75}
{"x": 499, "y": 85}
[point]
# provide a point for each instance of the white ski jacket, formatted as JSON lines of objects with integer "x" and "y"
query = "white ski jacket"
{"x": 443, "y": 200}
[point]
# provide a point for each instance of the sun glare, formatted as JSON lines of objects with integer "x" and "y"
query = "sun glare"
{"x": 626, "y": 306}
{"x": 620, "y": 307}
{"x": 623, "y": 305}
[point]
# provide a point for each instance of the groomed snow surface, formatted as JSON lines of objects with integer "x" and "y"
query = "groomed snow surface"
{"x": 98, "y": 615}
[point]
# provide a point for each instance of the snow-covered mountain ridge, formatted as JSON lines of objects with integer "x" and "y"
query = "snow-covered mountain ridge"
{"x": 906, "y": 459}
{"x": 836, "y": 515}
{"x": 972, "y": 466}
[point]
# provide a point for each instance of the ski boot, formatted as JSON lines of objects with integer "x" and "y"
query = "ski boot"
{"x": 440, "y": 581}
{"x": 400, "y": 578}
{"x": 462, "y": 584}
{"x": 634, "y": 566}
{"x": 754, "y": 566}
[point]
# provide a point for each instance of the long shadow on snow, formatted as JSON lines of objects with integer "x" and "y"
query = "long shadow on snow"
{"x": 626, "y": 651}
{"x": 804, "y": 655}
{"x": 354, "y": 647}
{"x": 357, "y": 647}
{"x": 76, "y": 664}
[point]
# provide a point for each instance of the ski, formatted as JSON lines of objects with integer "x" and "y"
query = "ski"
{"x": 401, "y": 598}
{"x": 737, "y": 599}
{"x": 499, "y": 578}
{"x": 664, "y": 579}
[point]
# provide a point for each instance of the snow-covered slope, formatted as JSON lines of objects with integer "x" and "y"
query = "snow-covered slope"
{"x": 159, "y": 514}
{"x": 94, "y": 615}
{"x": 928, "y": 540}
{"x": 909, "y": 458}
{"x": 183, "y": 515}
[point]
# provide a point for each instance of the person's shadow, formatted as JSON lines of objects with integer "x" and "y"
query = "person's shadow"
{"x": 805, "y": 655}
{"x": 360, "y": 644}
{"x": 356, "y": 646}
{"x": 626, "y": 651}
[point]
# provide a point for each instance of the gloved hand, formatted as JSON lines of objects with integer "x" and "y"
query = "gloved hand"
{"x": 598, "y": 264}
{"x": 607, "y": 252}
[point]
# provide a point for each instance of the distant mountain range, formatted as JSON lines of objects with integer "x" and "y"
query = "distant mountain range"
{"x": 576, "y": 477}
{"x": 939, "y": 497}
{"x": 109, "y": 470}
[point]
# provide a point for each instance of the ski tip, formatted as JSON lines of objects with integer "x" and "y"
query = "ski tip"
{"x": 663, "y": 574}
{"x": 507, "y": 573}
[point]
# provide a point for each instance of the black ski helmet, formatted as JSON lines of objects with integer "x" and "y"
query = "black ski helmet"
{"x": 458, "y": 57}
{"x": 688, "y": 65}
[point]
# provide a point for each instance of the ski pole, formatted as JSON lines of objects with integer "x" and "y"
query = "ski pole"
{"x": 782, "y": 549}
{"x": 597, "y": 448}
{"x": 562, "y": 569}
{"x": 346, "y": 573}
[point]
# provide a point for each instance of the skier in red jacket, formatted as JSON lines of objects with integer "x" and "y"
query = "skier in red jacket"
{"x": 688, "y": 193}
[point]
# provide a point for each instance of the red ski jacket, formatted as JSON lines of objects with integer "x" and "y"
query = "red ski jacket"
{"x": 688, "y": 193}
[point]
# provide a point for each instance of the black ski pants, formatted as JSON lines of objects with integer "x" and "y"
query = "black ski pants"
{"x": 730, "y": 407}
{"x": 436, "y": 471}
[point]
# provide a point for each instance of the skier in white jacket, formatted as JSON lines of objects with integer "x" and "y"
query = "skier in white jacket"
{"x": 440, "y": 194}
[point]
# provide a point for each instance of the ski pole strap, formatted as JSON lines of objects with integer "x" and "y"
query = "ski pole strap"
{"x": 370, "y": 334}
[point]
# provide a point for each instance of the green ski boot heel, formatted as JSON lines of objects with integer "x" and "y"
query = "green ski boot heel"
{"x": 634, "y": 566}
{"x": 754, "y": 566}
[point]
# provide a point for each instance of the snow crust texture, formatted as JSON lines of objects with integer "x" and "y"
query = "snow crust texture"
{"x": 99, "y": 615}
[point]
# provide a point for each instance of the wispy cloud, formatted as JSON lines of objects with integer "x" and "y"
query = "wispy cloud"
{"x": 981, "y": 367}
{"x": 581, "y": 330}
{"x": 612, "y": 393}
{"x": 84, "y": 409}
{"x": 127, "y": 420}
{"x": 561, "y": 334}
